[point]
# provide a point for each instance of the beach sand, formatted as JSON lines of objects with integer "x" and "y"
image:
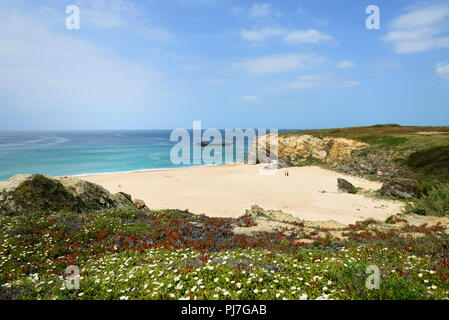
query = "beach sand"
{"x": 227, "y": 191}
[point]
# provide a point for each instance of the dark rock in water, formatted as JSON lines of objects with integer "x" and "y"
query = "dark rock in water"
{"x": 23, "y": 194}
{"x": 346, "y": 186}
{"x": 399, "y": 188}
{"x": 215, "y": 144}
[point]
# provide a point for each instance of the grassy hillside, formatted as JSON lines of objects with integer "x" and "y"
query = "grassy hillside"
{"x": 388, "y": 136}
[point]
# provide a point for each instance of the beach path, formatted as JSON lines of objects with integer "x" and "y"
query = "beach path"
{"x": 227, "y": 191}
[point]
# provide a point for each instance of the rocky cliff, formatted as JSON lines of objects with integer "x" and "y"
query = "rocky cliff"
{"x": 299, "y": 148}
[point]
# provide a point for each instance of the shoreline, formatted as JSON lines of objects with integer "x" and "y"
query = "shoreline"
{"x": 231, "y": 189}
{"x": 82, "y": 175}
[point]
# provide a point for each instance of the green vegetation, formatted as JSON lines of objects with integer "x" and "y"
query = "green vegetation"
{"x": 172, "y": 254}
{"x": 435, "y": 203}
{"x": 393, "y": 136}
{"x": 376, "y": 130}
{"x": 430, "y": 163}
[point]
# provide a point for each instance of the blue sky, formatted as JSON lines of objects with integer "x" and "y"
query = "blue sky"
{"x": 230, "y": 63}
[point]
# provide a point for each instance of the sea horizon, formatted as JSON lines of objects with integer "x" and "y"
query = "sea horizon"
{"x": 90, "y": 152}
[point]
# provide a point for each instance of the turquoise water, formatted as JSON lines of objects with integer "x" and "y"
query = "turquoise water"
{"x": 83, "y": 152}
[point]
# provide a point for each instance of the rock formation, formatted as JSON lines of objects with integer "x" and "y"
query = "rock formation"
{"x": 303, "y": 147}
{"x": 371, "y": 161}
{"x": 399, "y": 188}
{"x": 346, "y": 186}
{"x": 29, "y": 193}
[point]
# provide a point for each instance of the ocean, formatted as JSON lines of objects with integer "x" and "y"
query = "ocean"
{"x": 89, "y": 152}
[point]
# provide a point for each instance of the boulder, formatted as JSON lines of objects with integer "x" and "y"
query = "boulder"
{"x": 124, "y": 199}
{"x": 399, "y": 188}
{"x": 91, "y": 196}
{"x": 346, "y": 186}
{"x": 30, "y": 193}
{"x": 140, "y": 204}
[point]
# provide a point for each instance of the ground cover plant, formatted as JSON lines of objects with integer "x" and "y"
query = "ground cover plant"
{"x": 172, "y": 254}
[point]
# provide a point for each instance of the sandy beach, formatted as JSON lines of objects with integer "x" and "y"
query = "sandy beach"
{"x": 227, "y": 191}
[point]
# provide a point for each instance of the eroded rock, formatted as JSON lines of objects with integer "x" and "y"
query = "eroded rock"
{"x": 346, "y": 186}
{"x": 399, "y": 188}
{"x": 303, "y": 147}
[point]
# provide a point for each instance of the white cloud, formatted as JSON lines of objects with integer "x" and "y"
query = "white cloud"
{"x": 262, "y": 34}
{"x": 421, "y": 17}
{"x": 290, "y": 37}
{"x": 442, "y": 69}
{"x": 299, "y": 37}
{"x": 345, "y": 64}
{"x": 419, "y": 30}
{"x": 280, "y": 63}
{"x": 314, "y": 81}
{"x": 248, "y": 98}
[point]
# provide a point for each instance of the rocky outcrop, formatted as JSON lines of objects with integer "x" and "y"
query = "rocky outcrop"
{"x": 305, "y": 232}
{"x": 302, "y": 147}
{"x": 371, "y": 161}
{"x": 399, "y": 188}
{"x": 93, "y": 196}
{"x": 30, "y": 193}
{"x": 346, "y": 186}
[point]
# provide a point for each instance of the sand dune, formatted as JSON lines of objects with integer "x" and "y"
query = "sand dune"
{"x": 227, "y": 191}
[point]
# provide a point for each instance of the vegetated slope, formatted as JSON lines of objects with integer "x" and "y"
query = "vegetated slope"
{"x": 172, "y": 254}
{"x": 423, "y": 152}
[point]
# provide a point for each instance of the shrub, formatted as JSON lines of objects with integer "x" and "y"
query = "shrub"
{"x": 435, "y": 203}
{"x": 431, "y": 162}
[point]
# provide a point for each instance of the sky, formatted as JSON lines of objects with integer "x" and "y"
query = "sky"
{"x": 161, "y": 64}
